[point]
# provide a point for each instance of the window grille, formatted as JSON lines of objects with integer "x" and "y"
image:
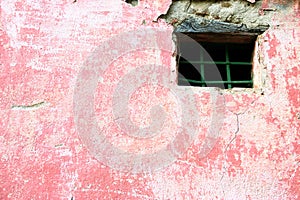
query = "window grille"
{"x": 233, "y": 61}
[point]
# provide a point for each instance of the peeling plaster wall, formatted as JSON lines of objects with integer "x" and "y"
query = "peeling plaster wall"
{"x": 45, "y": 43}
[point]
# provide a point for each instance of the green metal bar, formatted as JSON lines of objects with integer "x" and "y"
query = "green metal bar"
{"x": 216, "y": 62}
{"x": 228, "y": 67}
{"x": 194, "y": 81}
{"x": 228, "y": 82}
{"x": 202, "y": 69}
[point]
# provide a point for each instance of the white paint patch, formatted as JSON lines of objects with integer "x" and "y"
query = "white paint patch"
{"x": 93, "y": 14}
{"x": 12, "y": 22}
{"x": 38, "y": 65}
{"x": 65, "y": 152}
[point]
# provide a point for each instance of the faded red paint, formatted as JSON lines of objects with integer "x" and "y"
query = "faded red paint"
{"x": 43, "y": 46}
{"x": 293, "y": 87}
{"x": 274, "y": 42}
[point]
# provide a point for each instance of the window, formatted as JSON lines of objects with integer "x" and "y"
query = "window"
{"x": 132, "y": 2}
{"x": 224, "y": 61}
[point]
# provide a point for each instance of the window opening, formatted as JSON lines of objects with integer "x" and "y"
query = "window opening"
{"x": 132, "y": 2}
{"x": 233, "y": 59}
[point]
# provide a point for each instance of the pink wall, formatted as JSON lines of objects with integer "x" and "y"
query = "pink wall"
{"x": 43, "y": 154}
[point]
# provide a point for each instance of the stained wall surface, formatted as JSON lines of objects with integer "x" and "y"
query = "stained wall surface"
{"x": 245, "y": 144}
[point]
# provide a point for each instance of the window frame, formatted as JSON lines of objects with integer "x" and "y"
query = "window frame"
{"x": 226, "y": 39}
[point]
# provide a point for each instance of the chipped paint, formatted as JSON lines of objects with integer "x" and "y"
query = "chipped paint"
{"x": 43, "y": 46}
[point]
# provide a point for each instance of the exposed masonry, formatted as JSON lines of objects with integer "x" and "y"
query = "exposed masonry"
{"x": 238, "y": 12}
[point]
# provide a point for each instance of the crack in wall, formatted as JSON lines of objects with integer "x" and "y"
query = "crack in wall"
{"x": 29, "y": 107}
{"x": 235, "y": 133}
{"x": 225, "y": 167}
{"x": 226, "y": 149}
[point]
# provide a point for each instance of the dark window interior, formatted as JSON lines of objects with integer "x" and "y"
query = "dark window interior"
{"x": 132, "y": 2}
{"x": 225, "y": 65}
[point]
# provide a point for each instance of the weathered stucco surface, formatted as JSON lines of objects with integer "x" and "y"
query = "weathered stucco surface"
{"x": 43, "y": 47}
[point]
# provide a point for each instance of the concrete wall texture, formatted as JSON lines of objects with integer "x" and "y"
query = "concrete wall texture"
{"x": 231, "y": 144}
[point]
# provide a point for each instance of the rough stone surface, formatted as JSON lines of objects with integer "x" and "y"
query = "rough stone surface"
{"x": 43, "y": 45}
{"x": 202, "y": 25}
{"x": 232, "y": 11}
